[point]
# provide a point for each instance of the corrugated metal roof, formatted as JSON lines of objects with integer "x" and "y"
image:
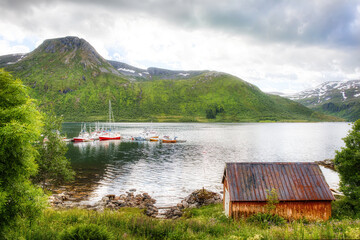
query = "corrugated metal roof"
{"x": 295, "y": 181}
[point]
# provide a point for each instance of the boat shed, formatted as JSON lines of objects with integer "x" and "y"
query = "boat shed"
{"x": 300, "y": 186}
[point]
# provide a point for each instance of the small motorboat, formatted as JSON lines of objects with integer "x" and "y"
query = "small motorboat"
{"x": 150, "y": 134}
{"x": 168, "y": 140}
{"x": 139, "y": 138}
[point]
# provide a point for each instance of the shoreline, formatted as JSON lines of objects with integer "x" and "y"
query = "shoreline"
{"x": 196, "y": 199}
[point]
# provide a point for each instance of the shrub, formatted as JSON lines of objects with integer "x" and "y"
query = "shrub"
{"x": 266, "y": 219}
{"x": 342, "y": 209}
{"x": 86, "y": 232}
{"x": 20, "y": 124}
{"x": 347, "y": 163}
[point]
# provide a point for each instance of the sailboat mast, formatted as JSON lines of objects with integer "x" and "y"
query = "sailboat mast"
{"x": 109, "y": 111}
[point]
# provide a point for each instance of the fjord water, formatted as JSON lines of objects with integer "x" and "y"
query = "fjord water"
{"x": 169, "y": 172}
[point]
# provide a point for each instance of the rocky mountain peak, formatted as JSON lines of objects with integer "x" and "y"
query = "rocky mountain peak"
{"x": 65, "y": 44}
{"x": 71, "y": 48}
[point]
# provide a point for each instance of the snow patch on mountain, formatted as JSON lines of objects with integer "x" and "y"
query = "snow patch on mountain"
{"x": 126, "y": 70}
{"x": 344, "y": 96}
{"x": 184, "y": 74}
{"x": 344, "y": 90}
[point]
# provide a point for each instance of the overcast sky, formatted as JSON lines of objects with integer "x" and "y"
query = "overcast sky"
{"x": 278, "y": 45}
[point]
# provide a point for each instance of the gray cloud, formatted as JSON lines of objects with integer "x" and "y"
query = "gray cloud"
{"x": 331, "y": 22}
{"x": 268, "y": 42}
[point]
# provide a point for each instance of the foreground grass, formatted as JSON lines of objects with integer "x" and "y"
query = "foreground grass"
{"x": 205, "y": 223}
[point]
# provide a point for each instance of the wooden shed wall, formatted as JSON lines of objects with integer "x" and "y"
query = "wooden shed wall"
{"x": 311, "y": 210}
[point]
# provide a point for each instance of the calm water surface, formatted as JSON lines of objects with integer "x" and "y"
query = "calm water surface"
{"x": 169, "y": 172}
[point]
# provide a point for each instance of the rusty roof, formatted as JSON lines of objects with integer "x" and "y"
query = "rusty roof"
{"x": 295, "y": 181}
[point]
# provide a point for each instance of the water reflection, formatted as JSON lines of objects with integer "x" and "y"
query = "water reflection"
{"x": 169, "y": 172}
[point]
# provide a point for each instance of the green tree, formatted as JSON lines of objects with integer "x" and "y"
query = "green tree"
{"x": 272, "y": 200}
{"x": 54, "y": 168}
{"x": 347, "y": 163}
{"x": 20, "y": 124}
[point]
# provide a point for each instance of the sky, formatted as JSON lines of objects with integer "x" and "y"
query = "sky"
{"x": 279, "y": 45}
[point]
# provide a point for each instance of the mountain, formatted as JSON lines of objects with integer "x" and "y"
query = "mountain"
{"x": 152, "y": 73}
{"x": 337, "y": 98}
{"x": 69, "y": 74}
{"x": 10, "y": 59}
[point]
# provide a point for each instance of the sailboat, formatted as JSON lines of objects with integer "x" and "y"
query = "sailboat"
{"x": 110, "y": 134}
{"x": 84, "y": 136}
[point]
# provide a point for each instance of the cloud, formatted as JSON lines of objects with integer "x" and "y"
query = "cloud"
{"x": 322, "y": 21}
{"x": 288, "y": 45}
{"x": 6, "y": 48}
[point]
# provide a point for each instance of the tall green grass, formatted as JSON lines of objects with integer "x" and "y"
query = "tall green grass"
{"x": 208, "y": 222}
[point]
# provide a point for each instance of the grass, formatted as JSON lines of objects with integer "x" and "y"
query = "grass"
{"x": 208, "y": 222}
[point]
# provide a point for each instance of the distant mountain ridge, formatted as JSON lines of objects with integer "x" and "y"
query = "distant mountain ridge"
{"x": 69, "y": 74}
{"x": 152, "y": 73}
{"x": 338, "y": 98}
{"x": 11, "y": 59}
{"x": 91, "y": 59}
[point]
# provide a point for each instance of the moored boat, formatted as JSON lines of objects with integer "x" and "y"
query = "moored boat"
{"x": 84, "y": 136}
{"x": 168, "y": 141}
{"x": 102, "y": 138}
{"x": 148, "y": 135}
{"x": 110, "y": 134}
{"x": 139, "y": 138}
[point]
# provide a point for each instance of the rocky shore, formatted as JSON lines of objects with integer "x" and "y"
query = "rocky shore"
{"x": 196, "y": 199}
{"x": 142, "y": 201}
{"x": 328, "y": 163}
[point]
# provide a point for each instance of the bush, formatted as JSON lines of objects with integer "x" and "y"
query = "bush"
{"x": 342, "y": 209}
{"x": 266, "y": 219}
{"x": 86, "y": 232}
{"x": 20, "y": 124}
{"x": 347, "y": 163}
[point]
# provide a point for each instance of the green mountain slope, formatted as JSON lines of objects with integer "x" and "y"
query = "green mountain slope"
{"x": 69, "y": 74}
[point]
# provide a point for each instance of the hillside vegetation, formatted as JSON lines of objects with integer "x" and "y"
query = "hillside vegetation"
{"x": 69, "y": 74}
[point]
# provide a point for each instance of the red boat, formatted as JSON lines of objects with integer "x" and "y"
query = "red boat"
{"x": 103, "y": 138}
{"x": 78, "y": 139}
{"x": 84, "y": 136}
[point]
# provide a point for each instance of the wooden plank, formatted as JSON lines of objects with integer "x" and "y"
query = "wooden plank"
{"x": 311, "y": 210}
